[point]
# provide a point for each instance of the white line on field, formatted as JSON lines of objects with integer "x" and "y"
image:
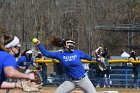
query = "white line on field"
{"x": 81, "y": 92}
{"x": 77, "y": 92}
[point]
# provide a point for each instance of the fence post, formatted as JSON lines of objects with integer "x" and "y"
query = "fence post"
{"x": 126, "y": 75}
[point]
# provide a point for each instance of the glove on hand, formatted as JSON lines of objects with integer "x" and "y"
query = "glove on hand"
{"x": 32, "y": 85}
{"x": 101, "y": 63}
{"x": 29, "y": 86}
{"x": 37, "y": 77}
{"x": 38, "y": 68}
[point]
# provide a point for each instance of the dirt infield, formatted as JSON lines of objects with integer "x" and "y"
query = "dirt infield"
{"x": 52, "y": 89}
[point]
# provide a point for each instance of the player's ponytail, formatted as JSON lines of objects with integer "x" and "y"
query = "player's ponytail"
{"x": 55, "y": 41}
{"x": 5, "y": 39}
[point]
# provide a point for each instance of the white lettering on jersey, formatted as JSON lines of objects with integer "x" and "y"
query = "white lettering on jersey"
{"x": 69, "y": 58}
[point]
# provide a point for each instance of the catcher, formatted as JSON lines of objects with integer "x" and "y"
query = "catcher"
{"x": 9, "y": 49}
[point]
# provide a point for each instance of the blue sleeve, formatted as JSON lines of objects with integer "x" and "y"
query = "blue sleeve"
{"x": 10, "y": 61}
{"x": 85, "y": 56}
{"x": 46, "y": 53}
{"x": 19, "y": 62}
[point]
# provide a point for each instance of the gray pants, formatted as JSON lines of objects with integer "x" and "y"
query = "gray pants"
{"x": 69, "y": 85}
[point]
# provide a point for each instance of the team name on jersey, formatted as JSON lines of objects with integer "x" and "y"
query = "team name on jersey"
{"x": 69, "y": 58}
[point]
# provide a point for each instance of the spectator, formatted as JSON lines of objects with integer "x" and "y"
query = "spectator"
{"x": 42, "y": 67}
{"x": 133, "y": 57}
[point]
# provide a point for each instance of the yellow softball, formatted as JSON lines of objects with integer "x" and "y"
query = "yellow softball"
{"x": 34, "y": 40}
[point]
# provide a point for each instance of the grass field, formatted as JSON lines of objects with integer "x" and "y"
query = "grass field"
{"x": 52, "y": 89}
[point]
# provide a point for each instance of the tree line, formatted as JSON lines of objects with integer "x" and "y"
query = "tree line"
{"x": 75, "y": 19}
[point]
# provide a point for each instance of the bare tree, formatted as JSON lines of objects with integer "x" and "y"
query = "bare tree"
{"x": 74, "y": 19}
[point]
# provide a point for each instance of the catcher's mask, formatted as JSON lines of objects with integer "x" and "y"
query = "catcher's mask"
{"x": 70, "y": 44}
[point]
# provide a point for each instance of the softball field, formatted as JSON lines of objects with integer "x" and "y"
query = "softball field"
{"x": 99, "y": 90}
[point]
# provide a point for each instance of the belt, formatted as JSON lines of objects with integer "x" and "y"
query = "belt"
{"x": 77, "y": 78}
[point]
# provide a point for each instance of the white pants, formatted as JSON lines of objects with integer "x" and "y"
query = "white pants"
{"x": 85, "y": 84}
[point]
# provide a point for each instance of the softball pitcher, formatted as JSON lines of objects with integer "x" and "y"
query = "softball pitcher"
{"x": 71, "y": 61}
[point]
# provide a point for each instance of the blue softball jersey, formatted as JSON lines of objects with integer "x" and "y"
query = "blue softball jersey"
{"x": 71, "y": 61}
{"x": 6, "y": 60}
{"x": 24, "y": 61}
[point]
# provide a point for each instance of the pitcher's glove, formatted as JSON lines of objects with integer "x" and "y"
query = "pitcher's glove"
{"x": 32, "y": 85}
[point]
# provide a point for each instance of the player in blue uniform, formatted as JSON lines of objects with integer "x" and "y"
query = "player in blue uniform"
{"x": 71, "y": 61}
{"x": 25, "y": 61}
{"x": 9, "y": 48}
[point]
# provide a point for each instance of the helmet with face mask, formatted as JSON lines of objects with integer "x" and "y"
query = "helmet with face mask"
{"x": 70, "y": 45}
